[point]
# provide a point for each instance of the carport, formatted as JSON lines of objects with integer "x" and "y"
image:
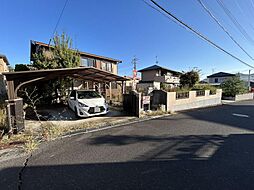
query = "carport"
{"x": 17, "y": 80}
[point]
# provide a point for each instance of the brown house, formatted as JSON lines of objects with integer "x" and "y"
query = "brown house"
{"x": 87, "y": 60}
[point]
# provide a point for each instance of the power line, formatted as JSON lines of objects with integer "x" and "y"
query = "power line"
{"x": 176, "y": 20}
{"x": 235, "y": 22}
{"x": 59, "y": 18}
{"x": 223, "y": 28}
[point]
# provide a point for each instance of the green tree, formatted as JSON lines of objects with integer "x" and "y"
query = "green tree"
{"x": 233, "y": 86}
{"x": 59, "y": 55}
{"x": 190, "y": 78}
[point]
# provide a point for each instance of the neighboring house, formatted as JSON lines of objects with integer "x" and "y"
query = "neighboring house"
{"x": 218, "y": 78}
{"x": 4, "y": 63}
{"x": 154, "y": 76}
{"x": 131, "y": 84}
{"x": 4, "y": 67}
{"x": 86, "y": 60}
{"x": 245, "y": 78}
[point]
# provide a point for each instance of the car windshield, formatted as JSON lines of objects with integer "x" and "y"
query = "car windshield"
{"x": 88, "y": 94}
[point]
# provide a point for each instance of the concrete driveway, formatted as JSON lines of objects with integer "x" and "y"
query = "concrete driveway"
{"x": 210, "y": 148}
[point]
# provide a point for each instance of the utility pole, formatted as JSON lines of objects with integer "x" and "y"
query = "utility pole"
{"x": 134, "y": 62}
{"x": 156, "y": 60}
{"x": 249, "y": 80}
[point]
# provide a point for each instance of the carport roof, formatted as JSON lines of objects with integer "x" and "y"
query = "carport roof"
{"x": 85, "y": 73}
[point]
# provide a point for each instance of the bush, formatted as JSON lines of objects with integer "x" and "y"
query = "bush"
{"x": 3, "y": 121}
{"x": 205, "y": 87}
{"x": 233, "y": 86}
{"x": 190, "y": 78}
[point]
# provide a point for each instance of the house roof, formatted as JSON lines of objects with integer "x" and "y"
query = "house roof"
{"x": 157, "y": 67}
{"x": 221, "y": 74}
{"x": 5, "y": 59}
{"x": 81, "y": 52}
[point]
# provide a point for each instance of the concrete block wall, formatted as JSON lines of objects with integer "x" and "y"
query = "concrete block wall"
{"x": 241, "y": 97}
{"x": 193, "y": 101}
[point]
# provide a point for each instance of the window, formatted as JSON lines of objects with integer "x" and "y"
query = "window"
{"x": 88, "y": 94}
{"x": 106, "y": 66}
{"x": 84, "y": 62}
{"x": 216, "y": 80}
{"x": 109, "y": 67}
{"x": 87, "y": 62}
{"x": 103, "y": 65}
{"x": 91, "y": 62}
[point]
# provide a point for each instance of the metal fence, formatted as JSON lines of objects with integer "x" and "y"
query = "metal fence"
{"x": 200, "y": 93}
{"x": 212, "y": 92}
{"x": 182, "y": 95}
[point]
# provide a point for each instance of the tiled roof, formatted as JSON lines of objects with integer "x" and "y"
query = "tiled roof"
{"x": 157, "y": 67}
{"x": 221, "y": 74}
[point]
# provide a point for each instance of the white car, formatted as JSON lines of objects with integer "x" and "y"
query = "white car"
{"x": 86, "y": 103}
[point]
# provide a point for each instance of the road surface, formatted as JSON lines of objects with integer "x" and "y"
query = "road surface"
{"x": 211, "y": 148}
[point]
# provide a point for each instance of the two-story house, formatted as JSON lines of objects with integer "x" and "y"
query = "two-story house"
{"x": 218, "y": 78}
{"x": 86, "y": 60}
{"x": 156, "y": 75}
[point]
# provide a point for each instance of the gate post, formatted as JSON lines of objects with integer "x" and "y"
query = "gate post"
{"x": 15, "y": 115}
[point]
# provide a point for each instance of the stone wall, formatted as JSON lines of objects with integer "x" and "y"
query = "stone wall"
{"x": 241, "y": 97}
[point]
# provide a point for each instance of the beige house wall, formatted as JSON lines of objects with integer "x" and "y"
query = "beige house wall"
{"x": 114, "y": 68}
{"x": 3, "y": 66}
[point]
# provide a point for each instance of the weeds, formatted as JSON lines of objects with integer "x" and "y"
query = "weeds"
{"x": 30, "y": 145}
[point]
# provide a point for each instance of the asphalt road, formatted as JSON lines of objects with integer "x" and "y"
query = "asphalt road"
{"x": 211, "y": 149}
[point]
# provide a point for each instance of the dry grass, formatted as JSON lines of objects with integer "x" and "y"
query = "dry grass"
{"x": 3, "y": 122}
{"x": 26, "y": 141}
{"x": 154, "y": 113}
{"x": 31, "y": 144}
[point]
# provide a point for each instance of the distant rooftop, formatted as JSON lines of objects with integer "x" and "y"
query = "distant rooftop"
{"x": 221, "y": 74}
{"x": 157, "y": 67}
{"x": 81, "y": 53}
{"x": 5, "y": 58}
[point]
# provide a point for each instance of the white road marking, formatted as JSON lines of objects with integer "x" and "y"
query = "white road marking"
{"x": 240, "y": 115}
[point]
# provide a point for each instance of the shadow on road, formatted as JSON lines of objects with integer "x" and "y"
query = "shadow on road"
{"x": 234, "y": 115}
{"x": 187, "y": 162}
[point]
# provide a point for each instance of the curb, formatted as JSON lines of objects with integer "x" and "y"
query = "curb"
{"x": 92, "y": 130}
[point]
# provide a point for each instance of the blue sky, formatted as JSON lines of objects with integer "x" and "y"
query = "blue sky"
{"x": 123, "y": 28}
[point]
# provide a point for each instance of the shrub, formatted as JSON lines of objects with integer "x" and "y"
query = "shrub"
{"x": 233, "y": 86}
{"x": 205, "y": 87}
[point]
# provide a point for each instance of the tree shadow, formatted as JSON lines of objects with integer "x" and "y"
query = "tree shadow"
{"x": 209, "y": 162}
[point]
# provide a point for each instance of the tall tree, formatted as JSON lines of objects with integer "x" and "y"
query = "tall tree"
{"x": 190, "y": 78}
{"x": 59, "y": 55}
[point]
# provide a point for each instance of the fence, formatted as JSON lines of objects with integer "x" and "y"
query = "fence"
{"x": 194, "y": 99}
{"x": 182, "y": 95}
{"x": 201, "y": 93}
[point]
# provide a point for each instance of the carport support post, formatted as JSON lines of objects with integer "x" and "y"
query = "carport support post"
{"x": 123, "y": 90}
{"x": 110, "y": 91}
